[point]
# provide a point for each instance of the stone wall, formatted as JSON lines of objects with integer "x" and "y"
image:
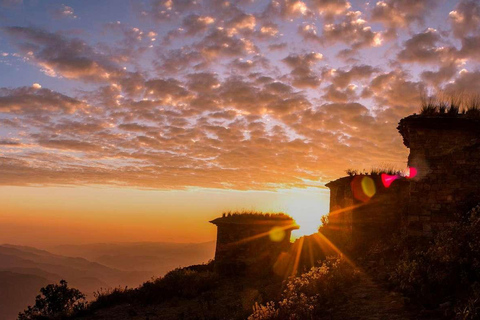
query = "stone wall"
{"x": 446, "y": 153}
{"x": 245, "y": 246}
{"x": 364, "y": 220}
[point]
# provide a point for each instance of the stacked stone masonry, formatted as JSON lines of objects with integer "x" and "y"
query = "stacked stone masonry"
{"x": 245, "y": 246}
{"x": 445, "y": 151}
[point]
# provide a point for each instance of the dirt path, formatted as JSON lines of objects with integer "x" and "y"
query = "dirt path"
{"x": 369, "y": 300}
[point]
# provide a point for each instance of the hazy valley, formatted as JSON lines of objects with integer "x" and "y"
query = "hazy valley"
{"x": 24, "y": 270}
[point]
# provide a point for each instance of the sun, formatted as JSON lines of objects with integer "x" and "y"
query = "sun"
{"x": 306, "y": 206}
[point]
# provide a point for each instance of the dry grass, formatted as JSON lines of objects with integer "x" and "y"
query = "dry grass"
{"x": 374, "y": 171}
{"x": 451, "y": 105}
{"x": 256, "y": 215}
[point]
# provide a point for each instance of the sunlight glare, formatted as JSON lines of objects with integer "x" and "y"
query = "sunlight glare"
{"x": 306, "y": 206}
{"x": 276, "y": 234}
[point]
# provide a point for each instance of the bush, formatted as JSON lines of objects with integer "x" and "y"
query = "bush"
{"x": 180, "y": 283}
{"x": 444, "y": 269}
{"x": 309, "y": 295}
{"x": 469, "y": 308}
{"x": 55, "y": 301}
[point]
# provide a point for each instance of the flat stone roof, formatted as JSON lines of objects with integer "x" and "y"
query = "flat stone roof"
{"x": 257, "y": 219}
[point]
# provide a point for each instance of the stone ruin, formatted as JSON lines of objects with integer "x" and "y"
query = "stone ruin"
{"x": 445, "y": 151}
{"x": 251, "y": 243}
{"x": 366, "y": 219}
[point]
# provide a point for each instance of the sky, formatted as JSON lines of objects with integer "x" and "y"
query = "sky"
{"x": 143, "y": 120}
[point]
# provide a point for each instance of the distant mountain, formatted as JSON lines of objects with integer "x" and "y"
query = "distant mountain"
{"x": 24, "y": 270}
{"x": 156, "y": 257}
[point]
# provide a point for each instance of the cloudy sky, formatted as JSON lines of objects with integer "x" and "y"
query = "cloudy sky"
{"x": 214, "y": 99}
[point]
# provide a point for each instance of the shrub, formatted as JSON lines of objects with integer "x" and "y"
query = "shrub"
{"x": 311, "y": 294}
{"x": 469, "y": 308}
{"x": 180, "y": 283}
{"x": 109, "y": 297}
{"x": 444, "y": 269}
{"x": 55, "y": 300}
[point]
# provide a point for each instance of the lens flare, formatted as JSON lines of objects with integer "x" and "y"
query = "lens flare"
{"x": 276, "y": 234}
{"x": 363, "y": 188}
{"x": 411, "y": 172}
{"x": 387, "y": 179}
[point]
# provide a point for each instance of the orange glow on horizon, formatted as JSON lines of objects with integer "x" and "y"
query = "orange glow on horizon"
{"x": 70, "y": 215}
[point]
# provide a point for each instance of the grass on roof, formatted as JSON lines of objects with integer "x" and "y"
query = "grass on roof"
{"x": 256, "y": 215}
{"x": 375, "y": 171}
{"x": 451, "y": 105}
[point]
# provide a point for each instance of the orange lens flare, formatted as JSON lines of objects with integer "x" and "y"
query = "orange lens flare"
{"x": 363, "y": 188}
{"x": 276, "y": 234}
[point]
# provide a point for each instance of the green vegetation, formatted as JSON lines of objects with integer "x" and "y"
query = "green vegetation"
{"x": 56, "y": 301}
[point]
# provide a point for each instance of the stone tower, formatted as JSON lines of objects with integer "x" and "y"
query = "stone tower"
{"x": 251, "y": 243}
{"x": 445, "y": 150}
{"x": 364, "y": 218}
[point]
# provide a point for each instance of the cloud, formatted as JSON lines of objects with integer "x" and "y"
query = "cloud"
{"x": 309, "y": 31}
{"x": 32, "y": 100}
{"x": 233, "y": 97}
{"x": 402, "y": 13}
{"x": 74, "y": 145}
{"x": 220, "y": 43}
{"x": 302, "y": 73}
{"x": 242, "y": 22}
{"x": 465, "y": 19}
{"x": 422, "y": 48}
{"x": 353, "y": 31}
{"x": 257, "y": 62}
{"x": 342, "y": 78}
{"x": 394, "y": 88}
{"x": 268, "y": 29}
{"x": 466, "y": 82}
{"x": 165, "y": 10}
{"x": 331, "y": 8}
{"x": 470, "y": 48}
{"x": 287, "y": 9}
{"x": 333, "y": 94}
{"x": 133, "y": 42}
{"x": 178, "y": 60}
{"x": 60, "y": 56}
{"x": 440, "y": 76}
{"x": 195, "y": 23}
{"x": 64, "y": 12}
{"x": 10, "y": 143}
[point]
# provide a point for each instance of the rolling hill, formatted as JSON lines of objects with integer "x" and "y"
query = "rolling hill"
{"x": 24, "y": 270}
